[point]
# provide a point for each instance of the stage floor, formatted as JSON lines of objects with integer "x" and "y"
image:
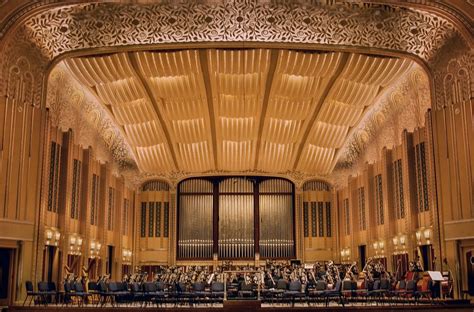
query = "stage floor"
{"x": 249, "y": 307}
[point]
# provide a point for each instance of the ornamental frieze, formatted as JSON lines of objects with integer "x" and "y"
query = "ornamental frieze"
{"x": 85, "y": 26}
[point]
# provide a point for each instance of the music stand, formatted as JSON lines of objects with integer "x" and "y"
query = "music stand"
{"x": 436, "y": 276}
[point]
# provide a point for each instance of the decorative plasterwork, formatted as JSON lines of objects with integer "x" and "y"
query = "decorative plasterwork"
{"x": 73, "y": 107}
{"x": 402, "y": 106}
{"x": 86, "y": 26}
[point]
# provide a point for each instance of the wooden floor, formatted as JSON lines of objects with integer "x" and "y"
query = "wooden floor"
{"x": 249, "y": 307}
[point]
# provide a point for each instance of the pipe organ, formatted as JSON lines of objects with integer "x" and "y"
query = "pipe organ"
{"x": 276, "y": 219}
{"x": 195, "y": 219}
{"x": 235, "y": 218}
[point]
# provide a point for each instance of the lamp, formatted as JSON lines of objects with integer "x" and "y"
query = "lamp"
{"x": 395, "y": 241}
{"x": 79, "y": 241}
{"x": 376, "y": 245}
{"x": 381, "y": 244}
{"x": 427, "y": 234}
{"x": 403, "y": 240}
{"x": 418, "y": 236}
{"x": 49, "y": 234}
{"x": 72, "y": 240}
{"x": 57, "y": 235}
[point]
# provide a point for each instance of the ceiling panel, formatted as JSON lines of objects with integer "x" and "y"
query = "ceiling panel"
{"x": 238, "y": 79}
{"x": 115, "y": 82}
{"x": 176, "y": 83}
{"x": 237, "y": 110}
{"x": 299, "y": 81}
{"x": 353, "y": 91}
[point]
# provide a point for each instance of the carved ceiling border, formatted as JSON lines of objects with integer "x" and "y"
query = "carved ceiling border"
{"x": 95, "y": 25}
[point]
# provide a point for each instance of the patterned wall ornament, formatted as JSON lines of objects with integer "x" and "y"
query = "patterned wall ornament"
{"x": 402, "y": 106}
{"x": 94, "y": 25}
{"x": 73, "y": 107}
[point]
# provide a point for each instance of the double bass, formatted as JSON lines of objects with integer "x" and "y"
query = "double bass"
{"x": 396, "y": 277}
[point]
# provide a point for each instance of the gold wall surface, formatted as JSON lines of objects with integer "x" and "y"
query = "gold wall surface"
{"x": 29, "y": 123}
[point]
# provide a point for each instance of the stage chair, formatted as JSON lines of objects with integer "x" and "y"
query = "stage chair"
{"x": 294, "y": 292}
{"x": 45, "y": 293}
{"x": 30, "y": 293}
{"x": 374, "y": 292}
{"x": 395, "y": 294}
{"x": 138, "y": 296}
{"x": 80, "y": 293}
{"x": 318, "y": 291}
{"x": 334, "y": 293}
{"x": 217, "y": 292}
{"x": 199, "y": 292}
{"x": 245, "y": 290}
{"x": 347, "y": 290}
{"x": 282, "y": 286}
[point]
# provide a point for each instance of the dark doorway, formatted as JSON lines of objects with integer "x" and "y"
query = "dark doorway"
{"x": 362, "y": 256}
{"x": 50, "y": 252}
{"x": 470, "y": 272}
{"x": 110, "y": 259}
{"x": 5, "y": 274}
{"x": 426, "y": 257}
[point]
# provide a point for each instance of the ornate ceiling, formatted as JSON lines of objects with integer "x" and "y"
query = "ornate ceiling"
{"x": 237, "y": 110}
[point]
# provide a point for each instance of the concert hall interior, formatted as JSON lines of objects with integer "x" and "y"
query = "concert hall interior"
{"x": 211, "y": 153}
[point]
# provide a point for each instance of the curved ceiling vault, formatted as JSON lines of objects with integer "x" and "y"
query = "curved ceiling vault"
{"x": 252, "y": 110}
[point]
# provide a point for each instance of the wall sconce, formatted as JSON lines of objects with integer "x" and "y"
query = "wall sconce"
{"x": 127, "y": 256}
{"x": 95, "y": 249}
{"x": 75, "y": 243}
{"x": 345, "y": 254}
{"x": 52, "y": 236}
{"x": 376, "y": 245}
{"x": 395, "y": 241}
{"x": 427, "y": 235}
{"x": 403, "y": 240}
{"x": 418, "y": 236}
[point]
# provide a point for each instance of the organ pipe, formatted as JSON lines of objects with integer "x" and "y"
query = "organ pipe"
{"x": 236, "y": 219}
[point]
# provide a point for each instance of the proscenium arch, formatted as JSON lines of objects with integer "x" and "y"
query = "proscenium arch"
{"x": 16, "y": 43}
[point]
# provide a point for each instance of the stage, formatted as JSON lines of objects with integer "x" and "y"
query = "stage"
{"x": 249, "y": 306}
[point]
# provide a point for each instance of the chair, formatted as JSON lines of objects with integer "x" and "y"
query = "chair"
{"x": 30, "y": 293}
{"x": 45, "y": 292}
{"x": 199, "y": 292}
{"x": 80, "y": 293}
{"x": 105, "y": 295}
{"x": 245, "y": 290}
{"x": 137, "y": 293}
{"x": 217, "y": 292}
{"x": 334, "y": 293}
{"x": 375, "y": 291}
{"x": 318, "y": 291}
{"x": 294, "y": 292}
{"x": 382, "y": 291}
{"x": 181, "y": 294}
